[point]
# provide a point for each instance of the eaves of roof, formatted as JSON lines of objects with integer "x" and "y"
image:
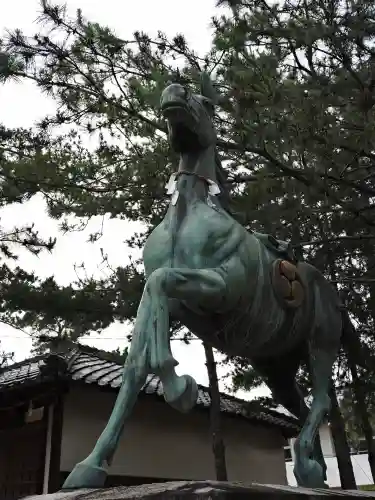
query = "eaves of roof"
{"x": 91, "y": 368}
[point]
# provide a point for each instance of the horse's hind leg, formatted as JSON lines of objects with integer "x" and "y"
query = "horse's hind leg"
{"x": 323, "y": 352}
{"x": 281, "y": 379}
{"x": 293, "y": 400}
{"x": 307, "y": 470}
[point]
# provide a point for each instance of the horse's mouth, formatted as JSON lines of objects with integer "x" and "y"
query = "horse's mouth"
{"x": 182, "y": 126}
{"x": 173, "y": 105}
{"x": 183, "y": 138}
{"x": 179, "y": 111}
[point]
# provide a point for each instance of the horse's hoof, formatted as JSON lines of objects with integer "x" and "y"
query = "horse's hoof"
{"x": 187, "y": 399}
{"x": 85, "y": 476}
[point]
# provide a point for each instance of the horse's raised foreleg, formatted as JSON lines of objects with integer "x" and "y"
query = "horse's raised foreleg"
{"x": 198, "y": 289}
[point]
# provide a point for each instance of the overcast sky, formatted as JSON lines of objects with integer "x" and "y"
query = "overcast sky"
{"x": 22, "y": 104}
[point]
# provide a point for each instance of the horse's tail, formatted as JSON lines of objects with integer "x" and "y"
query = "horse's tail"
{"x": 361, "y": 354}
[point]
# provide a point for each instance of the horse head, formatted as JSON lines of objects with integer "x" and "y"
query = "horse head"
{"x": 190, "y": 116}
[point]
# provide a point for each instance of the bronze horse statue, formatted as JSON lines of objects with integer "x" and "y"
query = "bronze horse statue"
{"x": 235, "y": 289}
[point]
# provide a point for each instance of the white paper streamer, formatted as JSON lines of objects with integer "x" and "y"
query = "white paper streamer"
{"x": 213, "y": 188}
{"x": 174, "y": 197}
{"x": 171, "y": 184}
{"x": 171, "y": 188}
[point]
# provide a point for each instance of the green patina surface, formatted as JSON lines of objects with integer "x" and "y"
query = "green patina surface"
{"x": 206, "y": 270}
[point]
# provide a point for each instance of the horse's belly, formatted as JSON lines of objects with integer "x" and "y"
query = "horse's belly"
{"x": 252, "y": 341}
{"x": 257, "y": 327}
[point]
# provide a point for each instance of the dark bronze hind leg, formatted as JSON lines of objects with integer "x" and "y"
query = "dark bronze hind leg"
{"x": 292, "y": 399}
{"x": 307, "y": 470}
{"x": 323, "y": 348}
{"x": 281, "y": 379}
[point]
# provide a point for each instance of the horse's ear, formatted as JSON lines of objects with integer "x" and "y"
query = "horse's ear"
{"x": 207, "y": 88}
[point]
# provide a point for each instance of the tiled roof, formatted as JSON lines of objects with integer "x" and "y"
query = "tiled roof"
{"x": 19, "y": 373}
{"x": 93, "y": 369}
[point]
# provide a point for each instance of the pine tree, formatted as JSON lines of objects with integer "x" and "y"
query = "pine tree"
{"x": 295, "y": 132}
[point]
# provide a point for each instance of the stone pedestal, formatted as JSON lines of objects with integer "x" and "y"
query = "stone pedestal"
{"x": 199, "y": 490}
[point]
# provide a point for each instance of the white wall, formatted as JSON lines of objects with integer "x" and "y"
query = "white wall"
{"x": 160, "y": 442}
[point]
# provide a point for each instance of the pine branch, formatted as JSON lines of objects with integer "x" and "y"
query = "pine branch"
{"x": 325, "y": 241}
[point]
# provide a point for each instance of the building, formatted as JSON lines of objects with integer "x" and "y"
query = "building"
{"x": 53, "y": 408}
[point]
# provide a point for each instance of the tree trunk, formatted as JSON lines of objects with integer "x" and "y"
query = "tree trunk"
{"x": 362, "y": 414}
{"x": 342, "y": 449}
{"x": 361, "y": 406}
{"x": 218, "y": 447}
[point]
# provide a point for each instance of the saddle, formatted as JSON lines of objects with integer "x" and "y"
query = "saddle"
{"x": 286, "y": 281}
{"x": 280, "y": 248}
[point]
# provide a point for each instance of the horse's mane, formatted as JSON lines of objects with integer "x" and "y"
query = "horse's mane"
{"x": 222, "y": 180}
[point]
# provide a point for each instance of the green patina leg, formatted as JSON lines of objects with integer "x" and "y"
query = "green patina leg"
{"x": 323, "y": 348}
{"x": 281, "y": 379}
{"x": 197, "y": 287}
{"x": 308, "y": 469}
{"x": 91, "y": 472}
{"x": 150, "y": 353}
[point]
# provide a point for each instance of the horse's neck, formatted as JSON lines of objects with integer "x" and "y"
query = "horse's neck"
{"x": 202, "y": 163}
{"x": 196, "y": 170}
